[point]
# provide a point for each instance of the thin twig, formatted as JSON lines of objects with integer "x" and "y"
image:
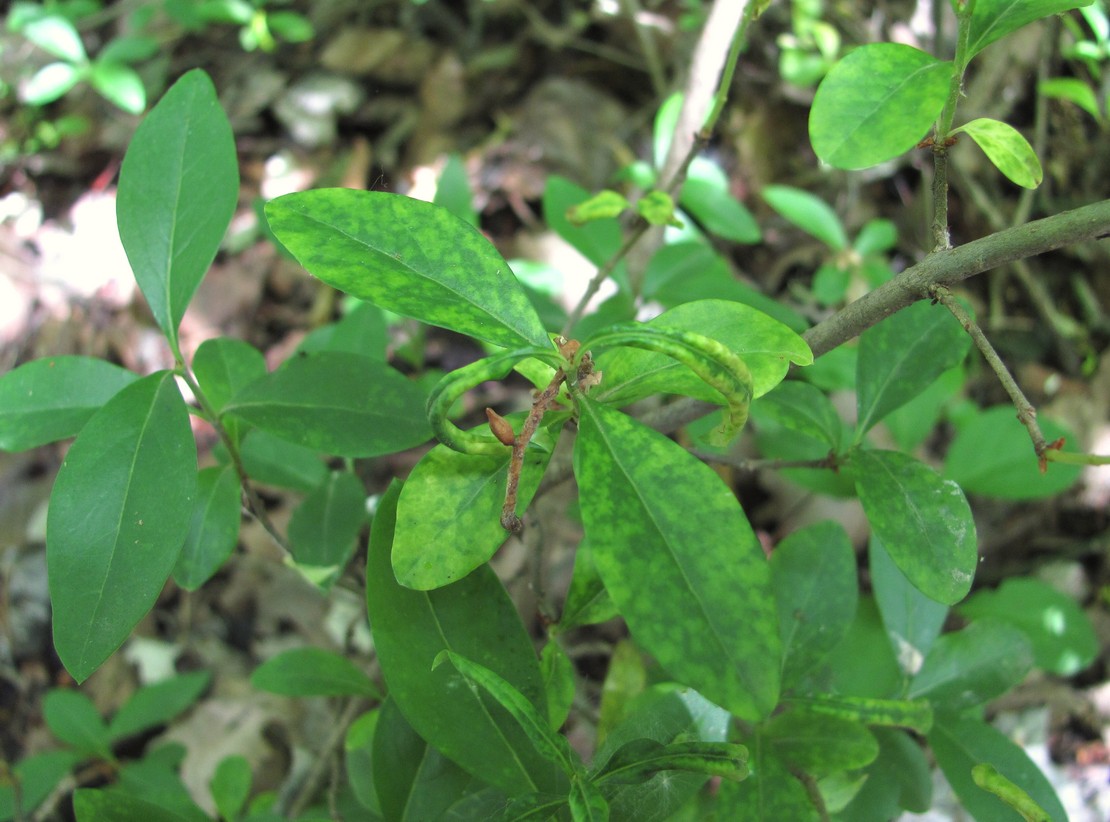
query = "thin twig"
{"x": 1026, "y": 413}
{"x": 509, "y": 520}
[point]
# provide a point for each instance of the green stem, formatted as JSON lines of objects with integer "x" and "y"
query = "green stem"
{"x": 1070, "y": 458}
{"x": 941, "y": 237}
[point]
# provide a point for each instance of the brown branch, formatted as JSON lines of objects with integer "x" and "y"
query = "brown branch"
{"x": 509, "y": 520}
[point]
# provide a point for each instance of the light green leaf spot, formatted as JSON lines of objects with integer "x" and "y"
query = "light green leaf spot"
{"x": 1007, "y": 149}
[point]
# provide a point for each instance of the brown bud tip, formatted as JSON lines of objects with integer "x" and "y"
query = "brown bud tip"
{"x": 500, "y": 427}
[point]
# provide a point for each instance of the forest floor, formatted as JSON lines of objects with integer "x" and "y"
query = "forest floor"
{"x": 378, "y": 98}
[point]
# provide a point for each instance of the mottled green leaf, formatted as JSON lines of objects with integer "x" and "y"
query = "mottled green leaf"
{"x": 876, "y": 103}
{"x": 325, "y": 525}
{"x": 640, "y": 759}
{"x": 337, "y": 403}
{"x": 901, "y": 356}
{"x": 988, "y": 778}
{"x": 119, "y": 513}
{"x": 912, "y": 620}
{"x": 213, "y": 529}
{"x": 157, "y": 704}
{"x": 674, "y": 576}
{"x": 586, "y": 802}
{"x": 587, "y": 601}
{"x": 414, "y": 258}
{"x": 896, "y": 713}
{"x": 924, "y": 522}
{"x": 992, "y": 455}
{"x": 449, "y": 515}
{"x": 1062, "y": 637}
{"x": 994, "y": 19}
{"x": 178, "y": 188}
{"x": 803, "y": 408}
{"x": 961, "y": 743}
{"x": 411, "y": 628}
{"x": 813, "y": 574}
{"x": 52, "y": 398}
{"x": 767, "y": 347}
{"x": 74, "y": 720}
{"x": 971, "y": 666}
{"x": 809, "y": 213}
{"x": 818, "y": 743}
{"x": 1007, "y": 149}
{"x": 604, "y": 205}
{"x": 770, "y": 794}
{"x": 312, "y": 671}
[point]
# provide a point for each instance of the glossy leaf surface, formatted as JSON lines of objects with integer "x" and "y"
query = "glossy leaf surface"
{"x": 962, "y": 743}
{"x": 119, "y": 513}
{"x": 876, "y": 103}
{"x": 767, "y": 347}
{"x": 804, "y": 409}
{"x": 813, "y": 573}
{"x": 411, "y": 628}
{"x": 312, "y": 672}
{"x": 213, "y": 529}
{"x": 994, "y": 19}
{"x": 52, "y": 398}
{"x": 178, "y": 188}
{"x": 274, "y": 461}
{"x": 901, "y": 356}
{"x": 224, "y": 365}
{"x": 924, "y": 522}
{"x": 449, "y": 515}
{"x": 1062, "y": 637}
{"x": 337, "y": 403}
{"x": 411, "y": 257}
{"x": 674, "y": 578}
{"x": 1007, "y": 149}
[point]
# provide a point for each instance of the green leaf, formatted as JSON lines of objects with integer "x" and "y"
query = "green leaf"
{"x": 1062, "y": 637}
{"x": 325, "y": 526}
{"x": 804, "y": 409}
{"x": 120, "y": 84}
{"x": 453, "y": 190}
{"x": 706, "y": 196}
{"x": 809, "y": 213}
{"x": 899, "y": 779}
{"x": 912, "y": 620}
{"x": 766, "y": 346}
{"x": 901, "y": 356}
{"x": 924, "y": 522}
{"x": 988, "y": 778}
{"x": 337, "y": 403}
{"x": 231, "y": 786}
{"x": 587, "y": 602}
{"x": 597, "y": 241}
{"x": 411, "y": 628}
{"x": 312, "y": 672}
{"x": 362, "y": 330}
{"x": 818, "y": 743}
{"x": 51, "y": 399}
{"x": 157, "y": 704}
{"x": 119, "y": 513}
{"x": 876, "y": 103}
{"x": 993, "y": 19}
{"x": 548, "y": 743}
{"x": 992, "y": 455}
{"x": 449, "y": 515}
{"x": 1074, "y": 91}
{"x": 604, "y": 205}
{"x": 90, "y": 805}
{"x": 863, "y": 663}
{"x": 57, "y": 35}
{"x": 587, "y": 804}
{"x": 74, "y": 720}
{"x": 129, "y": 49}
{"x": 558, "y": 683}
{"x": 658, "y": 208}
{"x": 960, "y": 744}
{"x": 972, "y": 666}
{"x": 178, "y": 188}
{"x": 1007, "y": 149}
{"x": 38, "y": 775}
{"x": 640, "y": 759}
{"x": 358, "y": 760}
{"x": 213, "y": 529}
{"x": 896, "y": 713}
{"x": 223, "y": 366}
{"x": 411, "y": 257}
{"x": 674, "y": 576}
{"x": 875, "y": 237}
{"x": 770, "y": 794}
{"x": 273, "y": 461}
{"x": 813, "y": 573}
{"x": 49, "y": 83}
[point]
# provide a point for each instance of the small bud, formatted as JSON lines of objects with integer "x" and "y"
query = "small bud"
{"x": 500, "y": 427}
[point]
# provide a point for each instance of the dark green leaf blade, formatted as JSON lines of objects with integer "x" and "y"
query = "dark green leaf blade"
{"x": 876, "y": 103}
{"x": 223, "y": 366}
{"x": 213, "y": 529}
{"x": 962, "y": 743}
{"x": 157, "y": 704}
{"x": 73, "y": 719}
{"x": 992, "y": 20}
{"x": 813, "y": 573}
{"x": 912, "y": 620}
{"x": 818, "y": 743}
{"x": 411, "y": 628}
{"x": 91, "y": 805}
{"x": 312, "y": 672}
{"x": 901, "y": 356}
{"x": 672, "y": 576}
{"x": 770, "y": 794}
{"x": 324, "y": 527}
{"x": 337, "y": 403}
{"x": 924, "y": 522}
{"x": 178, "y": 188}
{"x": 118, "y": 516}
{"x": 51, "y": 399}
{"x": 414, "y": 258}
